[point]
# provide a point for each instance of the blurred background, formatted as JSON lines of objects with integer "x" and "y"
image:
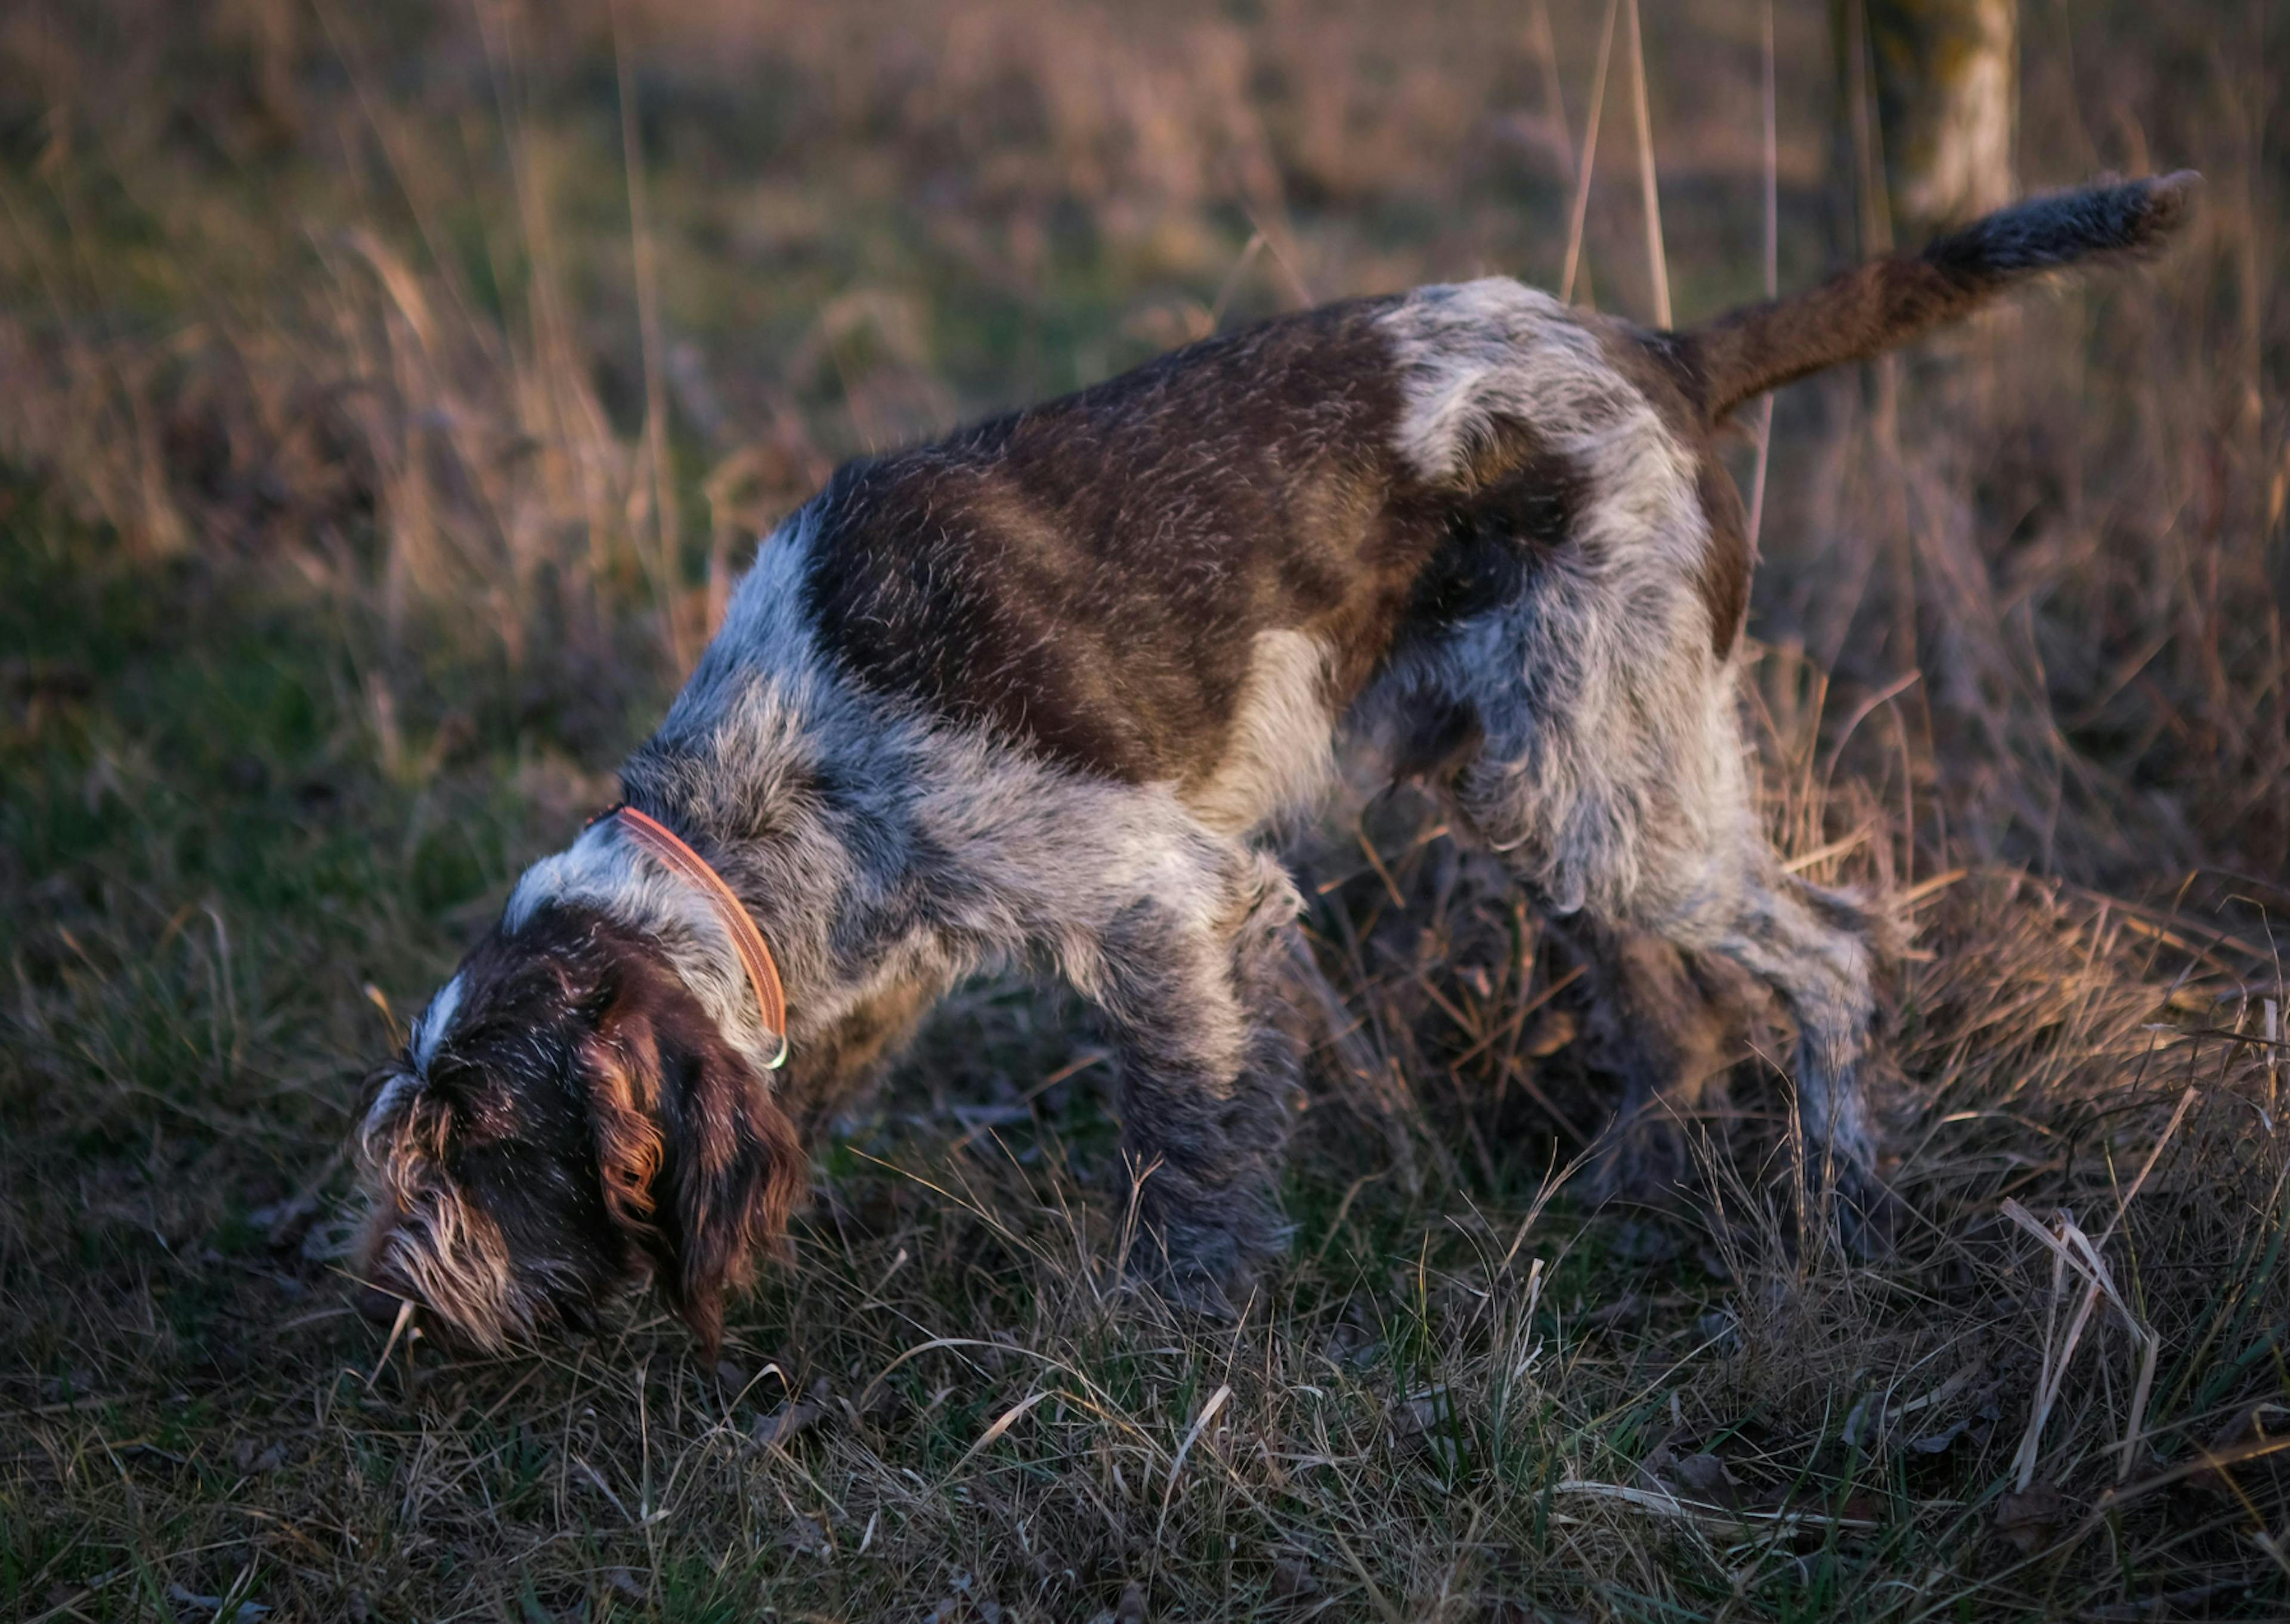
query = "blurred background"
{"x": 505, "y": 326}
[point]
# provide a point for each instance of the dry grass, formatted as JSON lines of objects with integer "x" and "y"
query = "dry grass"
{"x": 363, "y": 497}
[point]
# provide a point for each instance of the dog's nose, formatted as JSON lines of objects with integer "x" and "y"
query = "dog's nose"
{"x": 379, "y": 1306}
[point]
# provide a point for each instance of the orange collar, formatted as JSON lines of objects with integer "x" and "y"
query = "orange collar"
{"x": 764, "y": 975}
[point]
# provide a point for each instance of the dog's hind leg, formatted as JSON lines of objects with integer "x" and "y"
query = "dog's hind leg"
{"x": 1818, "y": 950}
{"x": 1695, "y": 873}
{"x": 1189, "y": 986}
{"x": 1657, "y": 1022}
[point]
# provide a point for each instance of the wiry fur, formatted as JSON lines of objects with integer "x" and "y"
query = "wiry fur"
{"x": 582, "y": 1121}
{"x": 1031, "y": 695}
{"x": 1887, "y": 302}
{"x": 433, "y": 1245}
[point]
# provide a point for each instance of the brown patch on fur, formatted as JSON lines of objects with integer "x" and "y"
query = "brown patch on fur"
{"x": 1723, "y": 580}
{"x": 1088, "y": 576}
{"x": 630, "y": 1147}
{"x": 728, "y": 1233}
{"x": 1882, "y": 305}
{"x": 701, "y": 1168}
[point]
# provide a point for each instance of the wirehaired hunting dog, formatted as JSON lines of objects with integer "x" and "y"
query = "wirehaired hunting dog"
{"x": 1029, "y": 696}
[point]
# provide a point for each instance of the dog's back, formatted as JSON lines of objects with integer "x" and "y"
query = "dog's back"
{"x": 1126, "y": 580}
{"x": 1090, "y": 576}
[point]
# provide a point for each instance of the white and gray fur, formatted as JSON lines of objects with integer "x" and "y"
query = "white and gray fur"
{"x": 1038, "y": 695}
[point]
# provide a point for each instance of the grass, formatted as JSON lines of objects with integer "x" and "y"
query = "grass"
{"x": 352, "y": 525}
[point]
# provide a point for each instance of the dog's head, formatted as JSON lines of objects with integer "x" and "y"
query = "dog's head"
{"x": 567, "y": 1120}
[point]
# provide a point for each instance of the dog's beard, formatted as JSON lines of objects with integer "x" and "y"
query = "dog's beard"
{"x": 427, "y": 1241}
{"x": 453, "y": 1262}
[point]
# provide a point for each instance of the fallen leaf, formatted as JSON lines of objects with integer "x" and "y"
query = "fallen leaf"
{"x": 791, "y": 1418}
{"x": 1551, "y": 1034}
{"x": 1934, "y": 1443}
{"x": 214, "y": 1604}
{"x": 2031, "y": 1517}
{"x": 249, "y": 1456}
{"x": 878, "y": 1402}
{"x": 2243, "y": 1429}
{"x": 964, "y": 1605}
{"x": 1416, "y": 1427}
{"x": 1864, "y": 1421}
{"x": 1861, "y": 1507}
{"x": 1291, "y": 1578}
{"x": 1351, "y": 1344}
{"x": 1418, "y": 1412}
{"x": 1720, "y": 1330}
{"x": 1706, "y": 1478}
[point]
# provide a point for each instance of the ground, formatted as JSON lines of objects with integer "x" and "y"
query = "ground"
{"x": 374, "y": 454}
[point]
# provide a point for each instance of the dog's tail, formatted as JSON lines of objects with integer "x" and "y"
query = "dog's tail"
{"x": 1874, "y": 307}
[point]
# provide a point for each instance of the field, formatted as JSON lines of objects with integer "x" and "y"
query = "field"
{"x": 387, "y": 396}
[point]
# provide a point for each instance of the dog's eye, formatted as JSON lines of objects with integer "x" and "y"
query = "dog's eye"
{"x": 482, "y": 1108}
{"x": 457, "y": 1081}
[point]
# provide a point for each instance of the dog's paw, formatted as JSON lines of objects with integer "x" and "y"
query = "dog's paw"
{"x": 1869, "y": 1217}
{"x": 1201, "y": 1273}
{"x": 1186, "y": 1289}
{"x": 1645, "y": 1161}
{"x": 1199, "y": 1295}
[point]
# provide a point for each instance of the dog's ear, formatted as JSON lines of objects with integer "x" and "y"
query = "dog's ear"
{"x": 622, "y": 1067}
{"x": 734, "y": 1173}
{"x": 701, "y": 1167}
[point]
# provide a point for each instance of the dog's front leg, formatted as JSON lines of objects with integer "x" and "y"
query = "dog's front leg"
{"x": 1188, "y": 986}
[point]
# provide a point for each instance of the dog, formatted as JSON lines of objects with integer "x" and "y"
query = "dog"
{"x": 1033, "y": 695}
